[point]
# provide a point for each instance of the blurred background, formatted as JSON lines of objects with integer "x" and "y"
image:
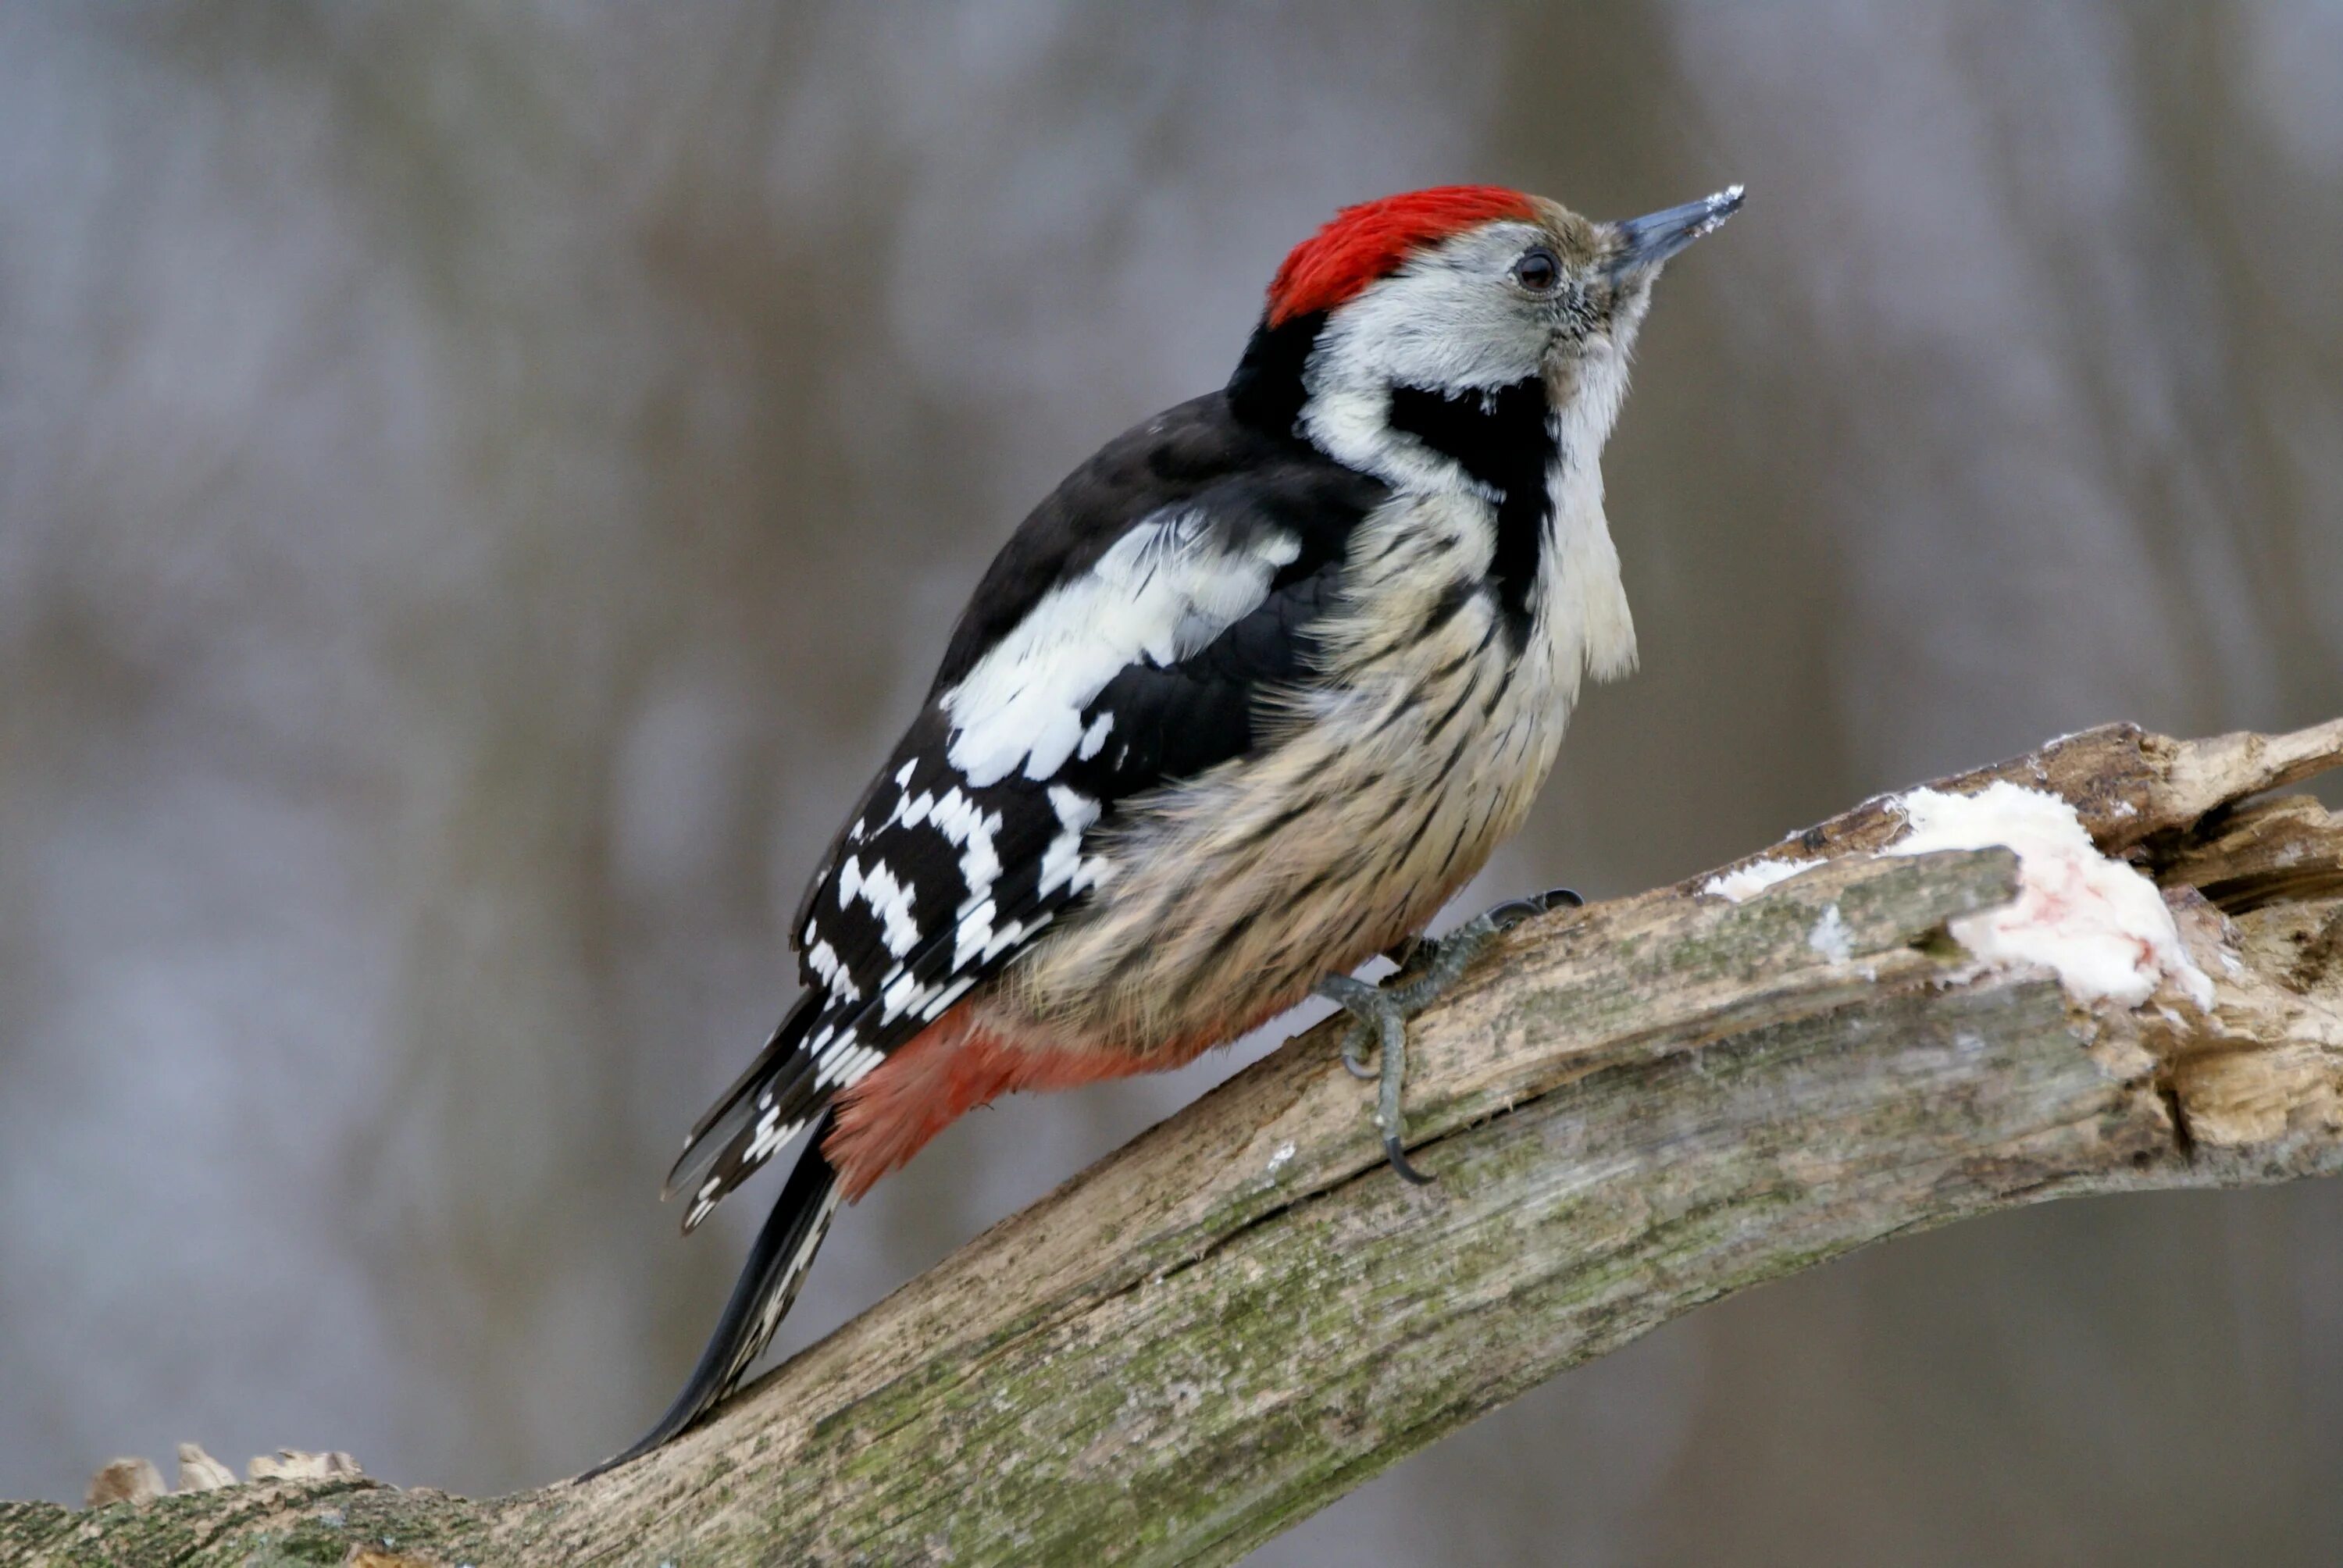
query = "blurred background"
{"x": 482, "y": 482}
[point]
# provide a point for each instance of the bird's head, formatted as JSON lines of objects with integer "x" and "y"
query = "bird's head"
{"x": 1461, "y": 290}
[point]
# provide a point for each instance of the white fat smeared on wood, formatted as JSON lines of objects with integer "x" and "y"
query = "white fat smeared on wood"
{"x": 1749, "y": 880}
{"x": 2099, "y": 924}
{"x": 1164, "y": 590}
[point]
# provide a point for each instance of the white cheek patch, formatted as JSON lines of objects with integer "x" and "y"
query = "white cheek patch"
{"x": 1442, "y": 320}
{"x": 1163, "y": 591}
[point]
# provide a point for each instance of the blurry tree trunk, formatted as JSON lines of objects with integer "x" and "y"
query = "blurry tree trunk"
{"x": 1631, "y": 1110}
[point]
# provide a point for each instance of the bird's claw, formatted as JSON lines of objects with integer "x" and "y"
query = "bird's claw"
{"x": 1375, "y": 1045}
{"x": 1395, "y": 1152}
{"x": 1513, "y": 912}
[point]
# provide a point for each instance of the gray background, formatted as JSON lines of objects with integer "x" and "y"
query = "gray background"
{"x": 480, "y": 485}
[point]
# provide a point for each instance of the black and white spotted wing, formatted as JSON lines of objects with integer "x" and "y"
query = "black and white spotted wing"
{"x": 1124, "y": 639}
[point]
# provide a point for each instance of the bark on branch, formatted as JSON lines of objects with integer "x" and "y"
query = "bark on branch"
{"x": 1633, "y": 1110}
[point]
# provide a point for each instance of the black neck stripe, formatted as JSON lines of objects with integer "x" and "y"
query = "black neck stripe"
{"x": 1503, "y": 439}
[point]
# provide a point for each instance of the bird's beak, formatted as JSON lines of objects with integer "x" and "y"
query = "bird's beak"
{"x": 1646, "y": 242}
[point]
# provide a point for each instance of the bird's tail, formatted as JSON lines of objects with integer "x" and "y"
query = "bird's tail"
{"x": 761, "y": 1299}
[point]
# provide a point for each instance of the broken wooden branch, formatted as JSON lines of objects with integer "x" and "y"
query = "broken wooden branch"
{"x": 1631, "y": 1110}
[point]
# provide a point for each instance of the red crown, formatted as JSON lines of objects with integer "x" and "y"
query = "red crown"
{"x": 1367, "y": 242}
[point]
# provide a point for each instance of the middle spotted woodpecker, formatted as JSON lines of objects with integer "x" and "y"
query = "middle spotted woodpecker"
{"x": 1240, "y": 705}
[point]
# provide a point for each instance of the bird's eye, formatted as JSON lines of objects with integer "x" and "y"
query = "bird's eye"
{"x": 1537, "y": 270}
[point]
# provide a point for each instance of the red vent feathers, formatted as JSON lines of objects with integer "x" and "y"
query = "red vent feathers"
{"x": 1366, "y": 242}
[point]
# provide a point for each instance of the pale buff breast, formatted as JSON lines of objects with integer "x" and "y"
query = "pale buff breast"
{"x": 1226, "y": 898}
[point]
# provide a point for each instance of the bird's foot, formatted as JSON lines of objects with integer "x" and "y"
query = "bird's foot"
{"x": 1376, "y": 1045}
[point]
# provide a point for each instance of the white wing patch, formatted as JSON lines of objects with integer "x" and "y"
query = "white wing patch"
{"x": 1163, "y": 591}
{"x": 831, "y": 969}
{"x": 960, "y": 820}
{"x": 1094, "y": 737}
{"x": 890, "y": 899}
{"x": 1062, "y": 864}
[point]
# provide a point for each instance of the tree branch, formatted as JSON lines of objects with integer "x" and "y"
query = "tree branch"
{"x": 1632, "y": 1109}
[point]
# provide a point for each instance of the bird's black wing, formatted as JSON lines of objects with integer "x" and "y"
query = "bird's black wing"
{"x": 1125, "y": 637}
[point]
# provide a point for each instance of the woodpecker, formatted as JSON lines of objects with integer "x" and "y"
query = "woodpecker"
{"x": 1240, "y": 705}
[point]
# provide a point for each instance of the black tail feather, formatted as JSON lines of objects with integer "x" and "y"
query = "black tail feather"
{"x": 779, "y": 1064}
{"x": 761, "y": 1299}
